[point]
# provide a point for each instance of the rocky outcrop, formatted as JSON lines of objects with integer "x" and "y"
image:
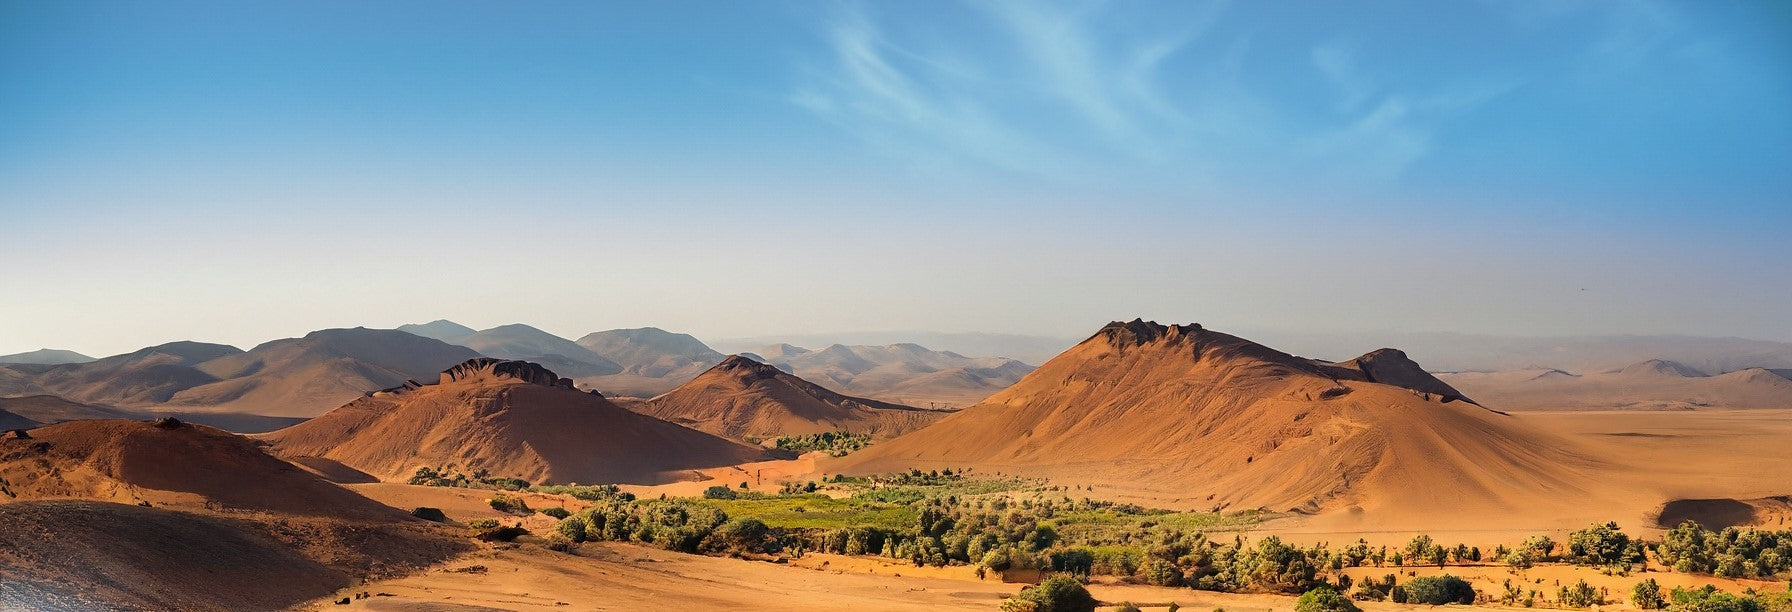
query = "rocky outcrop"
{"x": 503, "y": 368}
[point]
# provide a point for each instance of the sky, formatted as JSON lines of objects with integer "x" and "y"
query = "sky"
{"x": 243, "y": 171}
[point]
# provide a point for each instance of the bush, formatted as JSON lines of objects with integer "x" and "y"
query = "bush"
{"x": 1126, "y": 606}
{"x": 429, "y": 514}
{"x": 512, "y": 505}
{"x": 482, "y": 524}
{"x": 1057, "y": 593}
{"x": 719, "y": 492}
{"x": 573, "y": 528}
{"x": 1162, "y": 573}
{"x": 503, "y": 533}
{"x": 1709, "y": 599}
{"x": 1324, "y": 599}
{"x": 741, "y": 535}
{"x": 556, "y": 512}
{"x": 1579, "y": 595}
{"x": 1439, "y": 590}
{"x": 1647, "y": 595}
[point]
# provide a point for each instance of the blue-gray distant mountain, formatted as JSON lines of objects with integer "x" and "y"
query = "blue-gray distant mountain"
{"x": 294, "y": 377}
{"x": 46, "y": 357}
{"x": 440, "y": 329}
{"x": 522, "y": 342}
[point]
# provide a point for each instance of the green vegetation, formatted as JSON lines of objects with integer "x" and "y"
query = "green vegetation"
{"x": 1324, "y": 599}
{"x": 1057, "y": 593}
{"x": 512, "y": 505}
{"x": 1604, "y": 545}
{"x": 835, "y": 443}
{"x": 1731, "y": 553}
{"x": 720, "y": 492}
{"x": 1709, "y": 599}
{"x": 1580, "y": 595}
{"x": 1439, "y": 590}
{"x": 556, "y": 512}
{"x": 480, "y": 479}
{"x": 1646, "y": 595}
{"x": 429, "y": 514}
{"x": 587, "y": 493}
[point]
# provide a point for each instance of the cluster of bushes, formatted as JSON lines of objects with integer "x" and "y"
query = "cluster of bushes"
{"x": 1731, "y": 553}
{"x": 1604, "y": 545}
{"x": 480, "y": 479}
{"x": 510, "y": 505}
{"x": 1057, "y": 593}
{"x": 587, "y": 492}
{"x": 1648, "y": 596}
{"x": 670, "y": 524}
{"x": 835, "y": 443}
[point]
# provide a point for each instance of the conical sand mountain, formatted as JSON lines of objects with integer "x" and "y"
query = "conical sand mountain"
{"x": 741, "y": 398}
{"x": 512, "y": 418}
{"x": 1184, "y": 416}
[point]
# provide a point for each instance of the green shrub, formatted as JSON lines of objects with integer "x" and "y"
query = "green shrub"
{"x": 1439, "y": 590}
{"x": 1647, "y": 595}
{"x": 512, "y": 505}
{"x": 1579, "y": 595}
{"x": 719, "y": 492}
{"x": 1057, "y": 593}
{"x": 482, "y": 524}
{"x": 429, "y": 514}
{"x": 573, "y": 528}
{"x": 556, "y": 512}
{"x": 1709, "y": 599}
{"x": 1324, "y": 599}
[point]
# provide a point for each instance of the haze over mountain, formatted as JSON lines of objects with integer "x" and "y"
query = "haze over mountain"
{"x": 522, "y": 342}
{"x": 515, "y": 419}
{"x": 1199, "y": 418}
{"x": 898, "y": 373}
{"x": 654, "y": 361}
{"x": 46, "y": 357}
{"x": 741, "y": 398}
{"x": 290, "y": 377}
{"x": 1453, "y": 352}
{"x": 1019, "y": 347}
{"x": 1649, "y": 385}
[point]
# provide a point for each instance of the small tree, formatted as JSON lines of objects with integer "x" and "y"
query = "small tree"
{"x": 1647, "y": 595}
{"x": 1057, "y": 593}
{"x": 720, "y": 492}
{"x": 1324, "y": 599}
{"x": 1579, "y": 595}
{"x": 1439, "y": 590}
{"x": 573, "y": 528}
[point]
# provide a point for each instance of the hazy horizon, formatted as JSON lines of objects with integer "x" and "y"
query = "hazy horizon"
{"x": 248, "y": 172}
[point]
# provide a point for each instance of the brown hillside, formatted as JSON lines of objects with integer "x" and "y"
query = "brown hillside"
{"x": 181, "y": 465}
{"x": 741, "y": 398}
{"x": 512, "y": 418}
{"x": 1189, "y": 417}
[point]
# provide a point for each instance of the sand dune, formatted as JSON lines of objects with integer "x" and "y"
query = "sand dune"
{"x": 512, "y": 418}
{"x": 1188, "y": 417}
{"x": 1650, "y": 385}
{"x": 741, "y": 398}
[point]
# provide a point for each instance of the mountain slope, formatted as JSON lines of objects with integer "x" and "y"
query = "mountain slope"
{"x": 522, "y": 342}
{"x": 512, "y": 418}
{"x": 1189, "y": 417}
{"x": 440, "y": 329}
{"x": 1650, "y": 385}
{"x": 741, "y": 398}
{"x": 653, "y": 360}
{"x": 147, "y": 376}
{"x": 307, "y": 376}
{"x": 46, "y": 357}
{"x": 900, "y": 373}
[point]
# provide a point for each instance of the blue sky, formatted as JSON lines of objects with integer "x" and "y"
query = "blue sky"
{"x": 239, "y": 171}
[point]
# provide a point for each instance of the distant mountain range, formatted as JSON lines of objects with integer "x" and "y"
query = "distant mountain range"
{"x": 45, "y": 357}
{"x": 1655, "y": 384}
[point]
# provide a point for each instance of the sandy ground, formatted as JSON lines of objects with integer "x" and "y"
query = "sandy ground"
{"x": 611, "y": 576}
{"x": 1656, "y": 455}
